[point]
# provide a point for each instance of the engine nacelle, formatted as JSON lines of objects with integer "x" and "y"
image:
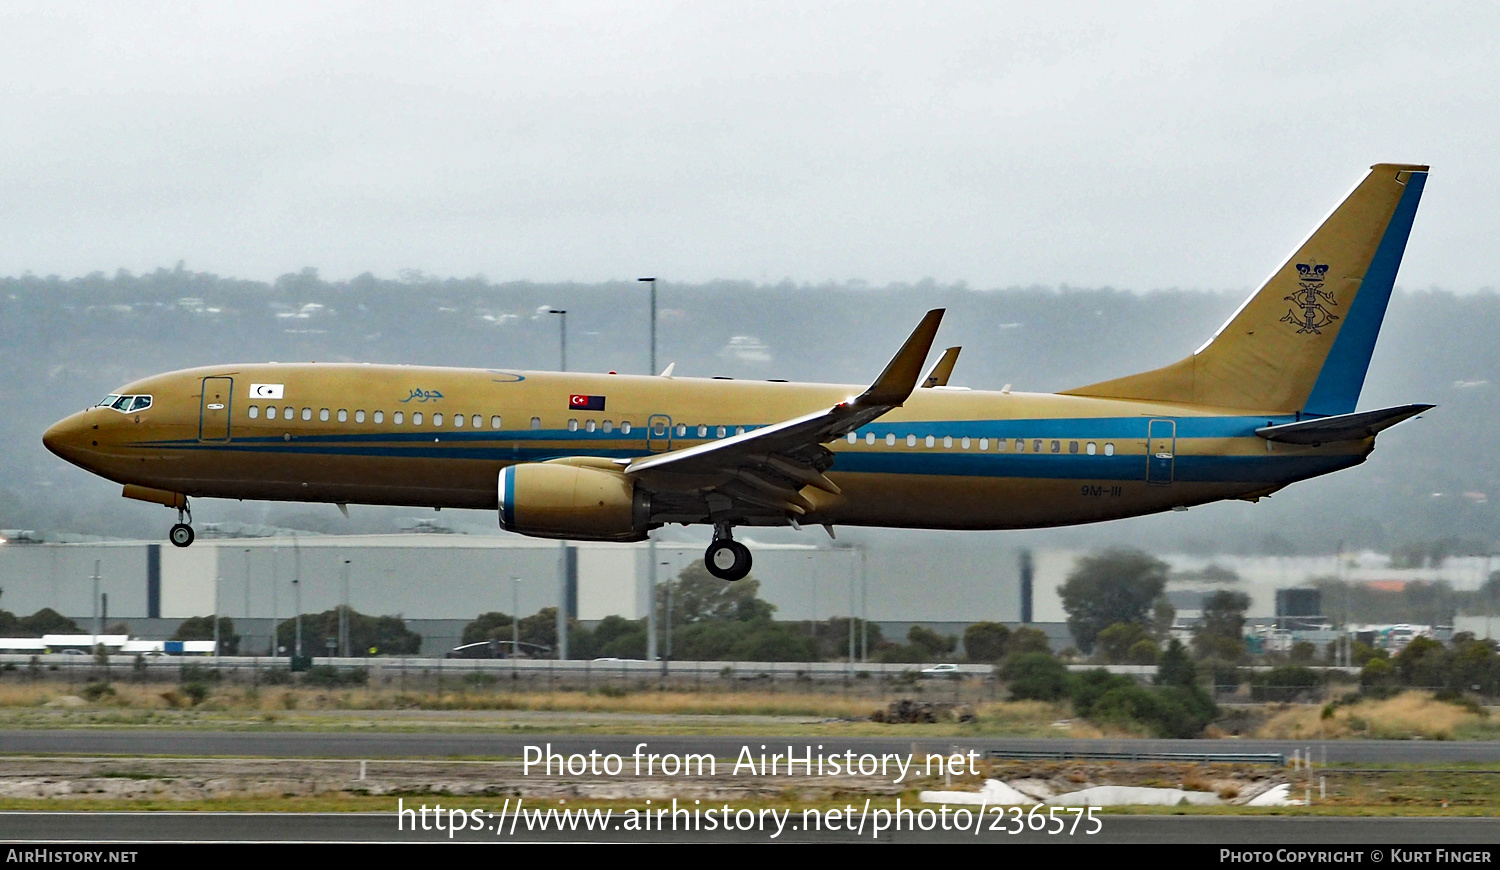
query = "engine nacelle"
{"x": 577, "y": 502}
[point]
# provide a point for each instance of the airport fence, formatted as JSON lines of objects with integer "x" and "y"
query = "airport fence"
{"x": 966, "y": 683}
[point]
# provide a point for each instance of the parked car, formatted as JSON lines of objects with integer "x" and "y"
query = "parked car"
{"x": 942, "y": 670}
{"x": 498, "y": 649}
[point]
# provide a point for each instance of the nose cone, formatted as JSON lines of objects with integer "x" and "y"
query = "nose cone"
{"x": 68, "y": 437}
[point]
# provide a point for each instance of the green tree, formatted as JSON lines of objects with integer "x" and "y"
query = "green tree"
{"x": 1143, "y": 652}
{"x": 47, "y": 621}
{"x": 698, "y": 596}
{"x": 1035, "y": 677}
{"x": 387, "y": 635}
{"x": 1114, "y": 586}
{"x": 492, "y": 625}
{"x": 202, "y": 628}
{"x": 1176, "y": 667}
{"x": 1114, "y": 643}
{"x": 930, "y": 642}
{"x": 986, "y": 641}
{"x": 1028, "y": 640}
{"x": 1221, "y": 636}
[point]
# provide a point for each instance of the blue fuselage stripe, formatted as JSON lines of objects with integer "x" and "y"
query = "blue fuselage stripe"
{"x": 1337, "y": 388}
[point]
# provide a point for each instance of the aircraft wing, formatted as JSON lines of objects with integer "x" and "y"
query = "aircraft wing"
{"x": 941, "y": 372}
{"x": 1341, "y": 427}
{"x": 766, "y": 468}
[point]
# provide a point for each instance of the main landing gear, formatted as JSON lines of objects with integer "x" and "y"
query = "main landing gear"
{"x": 726, "y": 558}
{"x": 181, "y": 534}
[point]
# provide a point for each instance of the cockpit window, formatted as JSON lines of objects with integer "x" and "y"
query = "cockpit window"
{"x": 125, "y": 404}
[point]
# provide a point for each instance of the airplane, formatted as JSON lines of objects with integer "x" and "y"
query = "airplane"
{"x": 1268, "y": 400}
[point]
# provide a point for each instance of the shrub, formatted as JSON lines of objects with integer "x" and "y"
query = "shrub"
{"x": 329, "y": 676}
{"x": 1285, "y": 683}
{"x": 1035, "y": 677}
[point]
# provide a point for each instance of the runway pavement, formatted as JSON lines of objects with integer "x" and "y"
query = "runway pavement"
{"x": 310, "y": 744}
{"x": 59, "y": 827}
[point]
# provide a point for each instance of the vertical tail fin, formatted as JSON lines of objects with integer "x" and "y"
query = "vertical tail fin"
{"x": 1303, "y": 341}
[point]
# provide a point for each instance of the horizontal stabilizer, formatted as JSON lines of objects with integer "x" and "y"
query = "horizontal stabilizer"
{"x": 1342, "y": 427}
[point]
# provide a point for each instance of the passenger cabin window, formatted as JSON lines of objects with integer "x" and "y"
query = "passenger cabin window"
{"x": 359, "y": 416}
{"x": 681, "y": 430}
{"x": 984, "y": 443}
{"x": 416, "y": 418}
{"x": 1090, "y": 448}
{"x": 1036, "y": 445}
{"x": 964, "y": 443}
{"x": 625, "y": 427}
{"x": 306, "y": 413}
{"x": 270, "y": 412}
{"x": 1020, "y": 445}
{"x": 572, "y": 425}
{"x": 437, "y": 419}
{"x": 1072, "y": 446}
{"x": 536, "y": 423}
{"x": 494, "y": 422}
{"x": 911, "y": 441}
{"x": 323, "y": 414}
{"x": 890, "y": 439}
{"x": 398, "y": 417}
{"x": 589, "y": 426}
{"x": 343, "y": 415}
{"x": 869, "y": 437}
{"x": 458, "y": 421}
{"x": 609, "y": 425}
{"x": 930, "y": 441}
{"x": 253, "y": 412}
{"x": 478, "y": 421}
{"x": 1056, "y": 446}
{"x": 853, "y": 438}
{"x": 739, "y": 430}
{"x": 702, "y": 431}
{"x": 721, "y": 431}
{"x": 379, "y": 416}
{"x": 1109, "y": 448}
{"x": 948, "y": 441}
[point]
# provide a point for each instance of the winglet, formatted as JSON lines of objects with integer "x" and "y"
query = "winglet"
{"x": 901, "y": 373}
{"x": 941, "y": 372}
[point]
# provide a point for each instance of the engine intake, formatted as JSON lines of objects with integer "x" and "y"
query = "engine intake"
{"x": 560, "y": 499}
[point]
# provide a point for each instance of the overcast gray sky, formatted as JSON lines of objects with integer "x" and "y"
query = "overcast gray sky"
{"x": 1134, "y": 145}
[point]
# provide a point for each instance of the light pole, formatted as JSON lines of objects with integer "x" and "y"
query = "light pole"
{"x": 297, "y": 596}
{"x": 344, "y": 616}
{"x": 247, "y": 593}
{"x": 651, "y": 654}
{"x": 515, "y": 623}
{"x": 562, "y": 546}
{"x": 275, "y": 552}
{"x": 562, "y": 341}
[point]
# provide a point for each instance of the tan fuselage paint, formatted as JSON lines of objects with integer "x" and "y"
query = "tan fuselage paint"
{"x": 168, "y": 448}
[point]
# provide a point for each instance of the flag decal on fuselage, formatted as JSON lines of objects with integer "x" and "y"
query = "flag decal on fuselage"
{"x": 586, "y": 403}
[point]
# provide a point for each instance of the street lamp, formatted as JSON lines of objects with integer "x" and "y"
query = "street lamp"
{"x": 344, "y": 616}
{"x": 651, "y": 542}
{"x": 515, "y": 623}
{"x": 562, "y": 341}
{"x": 562, "y": 546}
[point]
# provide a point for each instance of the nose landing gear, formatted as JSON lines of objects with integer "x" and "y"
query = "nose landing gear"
{"x": 726, "y": 558}
{"x": 181, "y": 534}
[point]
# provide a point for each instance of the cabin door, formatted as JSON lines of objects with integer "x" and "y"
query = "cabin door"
{"x": 1161, "y": 451}
{"x": 213, "y": 412}
{"x": 659, "y": 433}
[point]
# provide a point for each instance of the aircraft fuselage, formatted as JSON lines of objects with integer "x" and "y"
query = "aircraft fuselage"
{"x": 438, "y": 437}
